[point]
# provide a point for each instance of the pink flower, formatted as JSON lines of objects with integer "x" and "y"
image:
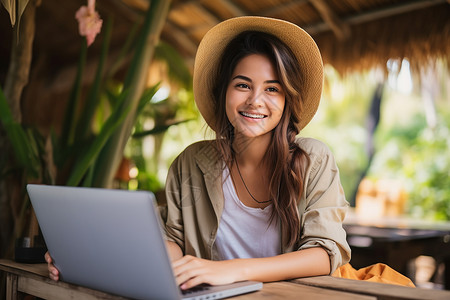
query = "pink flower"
{"x": 89, "y": 22}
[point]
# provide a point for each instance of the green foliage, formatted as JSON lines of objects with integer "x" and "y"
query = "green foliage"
{"x": 419, "y": 156}
{"x": 411, "y": 151}
{"x": 77, "y": 143}
{"x": 87, "y": 159}
{"x": 176, "y": 66}
{"x": 134, "y": 83}
{"x": 24, "y": 142}
{"x": 82, "y": 152}
{"x": 179, "y": 109}
{"x": 340, "y": 123}
{"x": 406, "y": 148}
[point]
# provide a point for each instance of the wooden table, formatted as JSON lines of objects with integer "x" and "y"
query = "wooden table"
{"x": 33, "y": 279}
{"x": 396, "y": 240}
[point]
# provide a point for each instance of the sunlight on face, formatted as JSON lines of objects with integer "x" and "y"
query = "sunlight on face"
{"x": 255, "y": 98}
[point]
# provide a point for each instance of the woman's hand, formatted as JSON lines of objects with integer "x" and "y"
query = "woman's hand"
{"x": 53, "y": 272}
{"x": 191, "y": 271}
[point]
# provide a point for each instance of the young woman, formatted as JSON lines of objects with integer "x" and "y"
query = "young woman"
{"x": 258, "y": 202}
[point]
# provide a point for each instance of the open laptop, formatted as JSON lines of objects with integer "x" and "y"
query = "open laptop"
{"x": 111, "y": 240}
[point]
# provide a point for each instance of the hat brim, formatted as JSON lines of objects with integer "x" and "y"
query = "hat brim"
{"x": 299, "y": 41}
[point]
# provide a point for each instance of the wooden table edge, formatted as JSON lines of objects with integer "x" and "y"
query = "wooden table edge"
{"x": 380, "y": 290}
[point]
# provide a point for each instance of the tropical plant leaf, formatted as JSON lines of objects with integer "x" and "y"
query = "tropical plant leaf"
{"x": 93, "y": 97}
{"x": 158, "y": 129}
{"x": 5, "y": 113}
{"x": 25, "y": 153}
{"x": 89, "y": 178}
{"x": 120, "y": 60}
{"x": 86, "y": 160}
{"x": 68, "y": 131}
{"x": 176, "y": 65}
{"x": 147, "y": 95}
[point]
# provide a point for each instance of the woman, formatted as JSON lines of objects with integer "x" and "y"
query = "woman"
{"x": 239, "y": 206}
{"x": 258, "y": 202}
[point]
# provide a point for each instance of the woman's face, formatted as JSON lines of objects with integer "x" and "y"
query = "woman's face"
{"x": 255, "y": 98}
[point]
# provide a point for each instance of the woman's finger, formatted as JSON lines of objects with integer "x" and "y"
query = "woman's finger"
{"x": 48, "y": 258}
{"x": 187, "y": 274}
{"x": 194, "y": 281}
{"x": 53, "y": 272}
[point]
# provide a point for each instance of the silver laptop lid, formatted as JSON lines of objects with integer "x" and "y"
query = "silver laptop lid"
{"x": 86, "y": 229}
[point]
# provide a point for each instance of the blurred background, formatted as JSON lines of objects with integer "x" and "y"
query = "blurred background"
{"x": 115, "y": 113}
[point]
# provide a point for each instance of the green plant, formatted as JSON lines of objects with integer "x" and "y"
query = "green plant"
{"x": 178, "y": 109}
{"x": 23, "y": 141}
{"x": 340, "y": 123}
{"x": 415, "y": 152}
{"x": 77, "y": 151}
{"x": 418, "y": 156}
{"x": 79, "y": 156}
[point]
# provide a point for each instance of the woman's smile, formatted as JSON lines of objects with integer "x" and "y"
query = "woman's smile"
{"x": 252, "y": 115}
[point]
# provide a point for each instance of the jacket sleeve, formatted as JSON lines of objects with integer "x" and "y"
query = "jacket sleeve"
{"x": 325, "y": 207}
{"x": 173, "y": 229}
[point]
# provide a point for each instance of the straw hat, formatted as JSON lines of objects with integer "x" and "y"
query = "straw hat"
{"x": 216, "y": 39}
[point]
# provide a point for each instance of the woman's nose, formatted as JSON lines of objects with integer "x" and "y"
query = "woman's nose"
{"x": 256, "y": 98}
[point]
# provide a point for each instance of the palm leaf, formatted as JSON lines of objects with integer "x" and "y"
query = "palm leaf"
{"x": 25, "y": 153}
{"x": 93, "y": 97}
{"x": 86, "y": 160}
{"x": 147, "y": 95}
{"x": 120, "y": 60}
{"x": 176, "y": 65}
{"x": 158, "y": 129}
{"x": 68, "y": 131}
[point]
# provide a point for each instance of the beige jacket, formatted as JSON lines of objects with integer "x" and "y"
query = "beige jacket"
{"x": 195, "y": 202}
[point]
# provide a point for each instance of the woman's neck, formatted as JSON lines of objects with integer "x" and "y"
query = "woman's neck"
{"x": 251, "y": 150}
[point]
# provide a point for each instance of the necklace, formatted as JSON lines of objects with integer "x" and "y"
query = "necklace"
{"x": 240, "y": 175}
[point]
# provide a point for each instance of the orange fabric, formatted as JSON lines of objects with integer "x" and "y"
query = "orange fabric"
{"x": 376, "y": 273}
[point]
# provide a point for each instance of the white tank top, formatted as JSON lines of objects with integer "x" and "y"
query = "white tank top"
{"x": 244, "y": 232}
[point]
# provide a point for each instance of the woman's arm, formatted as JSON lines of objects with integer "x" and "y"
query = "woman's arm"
{"x": 174, "y": 250}
{"x": 191, "y": 271}
{"x": 323, "y": 205}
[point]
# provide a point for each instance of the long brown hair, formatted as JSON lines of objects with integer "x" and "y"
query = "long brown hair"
{"x": 286, "y": 161}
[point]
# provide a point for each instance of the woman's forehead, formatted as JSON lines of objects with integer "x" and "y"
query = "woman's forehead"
{"x": 256, "y": 65}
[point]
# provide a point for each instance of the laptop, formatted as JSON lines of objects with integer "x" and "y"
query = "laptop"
{"x": 111, "y": 240}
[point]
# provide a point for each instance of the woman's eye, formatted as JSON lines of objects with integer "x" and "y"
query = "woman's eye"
{"x": 272, "y": 89}
{"x": 242, "y": 85}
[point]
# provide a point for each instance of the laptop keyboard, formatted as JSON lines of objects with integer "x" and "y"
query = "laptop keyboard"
{"x": 198, "y": 288}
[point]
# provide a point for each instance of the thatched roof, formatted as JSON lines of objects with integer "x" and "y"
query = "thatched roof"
{"x": 351, "y": 34}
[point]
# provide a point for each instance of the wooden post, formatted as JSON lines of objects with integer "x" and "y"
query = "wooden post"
{"x": 11, "y": 198}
